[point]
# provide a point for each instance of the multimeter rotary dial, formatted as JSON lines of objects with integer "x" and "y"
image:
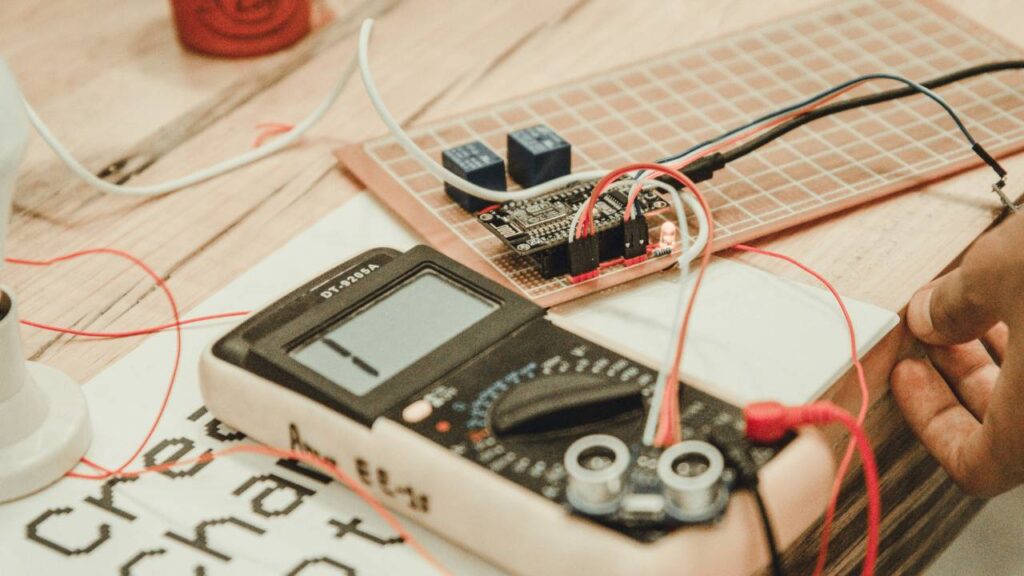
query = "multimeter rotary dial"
{"x": 523, "y": 423}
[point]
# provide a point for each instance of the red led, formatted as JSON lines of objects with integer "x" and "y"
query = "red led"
{"x": 443, "y": 426}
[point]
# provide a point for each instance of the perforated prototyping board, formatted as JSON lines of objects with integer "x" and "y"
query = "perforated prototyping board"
{"x": 664, "y": 105}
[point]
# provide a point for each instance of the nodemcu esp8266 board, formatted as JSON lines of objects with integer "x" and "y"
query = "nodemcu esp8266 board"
{"x": 663, "y": 105}
{"x": 540, "y": 227}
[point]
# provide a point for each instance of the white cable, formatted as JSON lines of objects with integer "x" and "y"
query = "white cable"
{"x": 685, "y": 258}
{"x": 687, "y": 254}
{"x": 205, "y": 174}
{"x": 429, "y": 163}
{"x": 501, "y": 196}
{"x": 703, "y": 231}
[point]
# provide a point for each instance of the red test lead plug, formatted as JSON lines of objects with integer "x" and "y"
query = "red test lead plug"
{"x": 768, "y": 422}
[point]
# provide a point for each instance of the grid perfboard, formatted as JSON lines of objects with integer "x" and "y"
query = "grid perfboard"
{"x": 664, "y": 105}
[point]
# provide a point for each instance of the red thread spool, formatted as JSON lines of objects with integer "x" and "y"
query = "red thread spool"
{"x": 238, "y": 28}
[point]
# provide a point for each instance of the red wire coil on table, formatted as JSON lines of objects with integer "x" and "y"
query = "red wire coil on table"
{"x": 239, "y": 28}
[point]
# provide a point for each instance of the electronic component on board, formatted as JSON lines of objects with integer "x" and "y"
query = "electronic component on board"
{"x": 596, "y": 466}
{"x": 685, "y": 483}
{"x": 475, "y": 162}
{"x": 635, "y": 236}
{"x": 584, "y": 258}
{"x": 460, "y": 403}
{"x": 539, "y": 227}
{"x": 691, "y": 474}
{"x": 668, "y": 234}
{"x": 537, "y": 154}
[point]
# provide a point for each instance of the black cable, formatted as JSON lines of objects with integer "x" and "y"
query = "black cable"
{"x": 704, "y": 168}
{"x": 736, "y": 452}
{"x": 837, "y": 107}
{"x": 769, "y": 532}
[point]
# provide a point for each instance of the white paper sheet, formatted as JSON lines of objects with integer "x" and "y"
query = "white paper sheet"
{"x": 753, "y": 336}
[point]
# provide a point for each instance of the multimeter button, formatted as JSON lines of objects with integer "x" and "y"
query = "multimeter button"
{"x": 418, "y": 411}
{"x": 562, "y": 402}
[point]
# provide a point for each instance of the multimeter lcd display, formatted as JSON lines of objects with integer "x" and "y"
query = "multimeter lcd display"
{"x": 378, "y": 341}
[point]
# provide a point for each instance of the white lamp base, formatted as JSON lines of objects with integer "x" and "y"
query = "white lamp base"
{"x": 44, "y": 421}
{"x": 43, "y": 456}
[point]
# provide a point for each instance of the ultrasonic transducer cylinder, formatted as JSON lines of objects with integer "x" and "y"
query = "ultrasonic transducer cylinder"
{"x": 596, "y": 466}
{"x": 691, "y": 473}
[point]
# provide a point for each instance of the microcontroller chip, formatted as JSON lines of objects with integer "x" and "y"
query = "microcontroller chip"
{"x": 539, "y": 214}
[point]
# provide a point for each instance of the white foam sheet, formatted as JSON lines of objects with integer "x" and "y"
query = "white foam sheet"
{"x": 753, "y": 335}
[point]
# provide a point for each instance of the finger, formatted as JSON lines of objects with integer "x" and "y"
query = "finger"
{"x": 1004, "y": 426}
{"x": 945, "y": 428}
{"x": 995, "y": 340}
{"x": 969, "y": 370}
{"x": 950, "y": 310}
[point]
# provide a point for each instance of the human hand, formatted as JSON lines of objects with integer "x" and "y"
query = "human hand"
{"x": 967, "y": 404}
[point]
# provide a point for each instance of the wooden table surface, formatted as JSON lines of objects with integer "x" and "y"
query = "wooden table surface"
{"x": 111, "y": 80}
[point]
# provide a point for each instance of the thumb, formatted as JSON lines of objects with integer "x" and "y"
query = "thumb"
{"x": 951, "y": 310}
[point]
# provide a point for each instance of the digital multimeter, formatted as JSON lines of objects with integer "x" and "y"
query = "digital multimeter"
{"x": 460, "y": 404}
